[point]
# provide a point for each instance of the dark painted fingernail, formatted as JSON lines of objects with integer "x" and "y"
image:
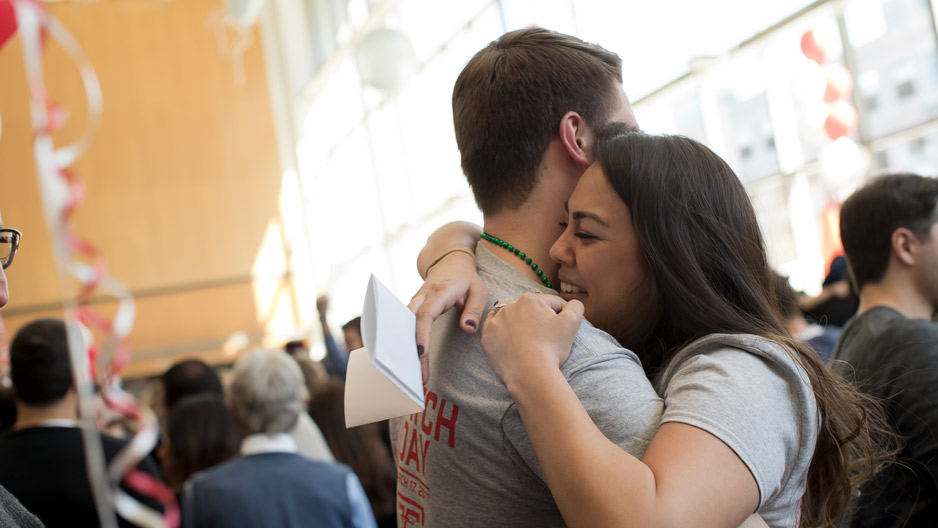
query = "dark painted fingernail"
{"x": 419, "y": 350}
{"x": 471, "y": 323}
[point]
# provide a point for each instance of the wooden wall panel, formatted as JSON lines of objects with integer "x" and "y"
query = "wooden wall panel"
{"x": 182, "y": 179}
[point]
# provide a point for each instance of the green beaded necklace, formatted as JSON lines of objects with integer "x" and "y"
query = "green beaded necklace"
{"x": 519, "y": 254}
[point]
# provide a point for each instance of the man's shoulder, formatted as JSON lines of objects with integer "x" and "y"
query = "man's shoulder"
{"x": 16, "y": 442}
{"x": 883, "y": 327}
{"x": 881, "y": 341}
{"x": 592, "y": 345}
{"x": 40, "y": 437}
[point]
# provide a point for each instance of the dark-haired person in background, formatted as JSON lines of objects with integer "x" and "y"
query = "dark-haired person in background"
{"x": 188, "y": 378}
{"x": 200, "y": 433}
{"x": 889, "y": 229}
{"x": 42, "y": 461}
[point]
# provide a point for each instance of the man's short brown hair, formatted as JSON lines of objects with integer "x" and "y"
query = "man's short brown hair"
{"x": 509, "y": 100}
{"x": 872, "y": 214}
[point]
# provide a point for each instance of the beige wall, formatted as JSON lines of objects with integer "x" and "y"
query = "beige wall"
{"x": 183, "y": 178}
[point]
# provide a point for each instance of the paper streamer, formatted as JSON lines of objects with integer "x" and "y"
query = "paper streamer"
{"x": 78, "y": 260}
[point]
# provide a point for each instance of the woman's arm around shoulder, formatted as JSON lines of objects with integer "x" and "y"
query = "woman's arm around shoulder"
{"x": 450, "y": 256}
{"x": 687, "y": 477}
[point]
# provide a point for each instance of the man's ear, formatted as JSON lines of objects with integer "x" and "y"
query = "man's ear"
{"x": 905, "y": 246}
{"x": 577, "y": 139}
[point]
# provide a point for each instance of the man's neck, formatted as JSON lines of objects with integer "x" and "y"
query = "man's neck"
{"x": 901, "y": 296}
{"x": 532, "y": 233}
{"x": 30, "y": 416}
{"x": 534, "y": 226}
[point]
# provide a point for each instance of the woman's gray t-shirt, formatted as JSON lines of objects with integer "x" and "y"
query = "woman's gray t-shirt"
{"x": 751, "y": 394}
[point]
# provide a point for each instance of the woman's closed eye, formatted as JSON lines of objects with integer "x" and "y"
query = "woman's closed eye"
{"x": 579, "y": 234}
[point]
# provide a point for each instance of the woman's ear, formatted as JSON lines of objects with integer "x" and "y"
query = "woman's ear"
{"x": 577, "y": 139}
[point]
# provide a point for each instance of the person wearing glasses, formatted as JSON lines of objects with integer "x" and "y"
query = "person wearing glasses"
{"x": 12, "y": 513}
{"x": 9, "y": 241}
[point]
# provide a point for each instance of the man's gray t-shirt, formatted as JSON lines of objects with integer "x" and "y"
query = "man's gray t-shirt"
{"x": 466, "y": 461}
{"x": 750, "y": 393}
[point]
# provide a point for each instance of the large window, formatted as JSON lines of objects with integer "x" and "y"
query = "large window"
{"x": 380, "y": 168}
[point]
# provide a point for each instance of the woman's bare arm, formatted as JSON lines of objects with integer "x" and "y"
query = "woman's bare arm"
{"x": 446, "y": 240}
{"x": 447, "y": 264}
{"x": 687, "y": 477}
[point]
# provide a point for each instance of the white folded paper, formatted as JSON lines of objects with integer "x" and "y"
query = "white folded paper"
{"x": 383, "y": 378}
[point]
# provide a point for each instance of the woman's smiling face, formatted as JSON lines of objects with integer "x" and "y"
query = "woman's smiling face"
{"x": 600, "y": 259}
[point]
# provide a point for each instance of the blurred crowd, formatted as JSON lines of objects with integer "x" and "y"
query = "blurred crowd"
{"x": 262, "y": 442}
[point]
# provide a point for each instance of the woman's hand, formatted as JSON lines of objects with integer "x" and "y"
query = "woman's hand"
{"x": 450, "y": 255}
{"x": 533, "y": 332}
{"x": 453, "y": 281}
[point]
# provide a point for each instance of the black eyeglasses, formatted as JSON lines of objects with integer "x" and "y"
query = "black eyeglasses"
{"x": 9, "y": 241}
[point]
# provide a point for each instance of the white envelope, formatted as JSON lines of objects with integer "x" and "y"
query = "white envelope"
{"x": 384, "y": 378}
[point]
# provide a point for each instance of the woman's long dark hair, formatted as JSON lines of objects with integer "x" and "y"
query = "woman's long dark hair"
{"x": 708, "y": 273}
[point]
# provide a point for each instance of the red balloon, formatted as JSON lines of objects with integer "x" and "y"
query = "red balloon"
{"x": 839, "y": 82}
{"x": 812, "y": 48}
{"x": 841, "y": 120}
{"x": 7, "y": 21}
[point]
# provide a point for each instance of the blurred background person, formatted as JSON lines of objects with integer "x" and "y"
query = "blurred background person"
{"x": 270, "y": 484}
{"x": 12, "y": 513}
{"x": 9, "y": 243}
{"x": 200, "y": 433}
{"x": 314, "y": 374}
{"x": 336, "y": 360}
{"x": 314, "y": 371}
{"x": 352, "y": 332}
{"x": 362, "y": 448}
{"x": 187, "y": 378}
{"x": 837, "y": 302}
{"x": 42, "y": 461}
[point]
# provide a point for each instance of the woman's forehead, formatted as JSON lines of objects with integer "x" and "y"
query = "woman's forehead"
{"x": 594, "y": 191}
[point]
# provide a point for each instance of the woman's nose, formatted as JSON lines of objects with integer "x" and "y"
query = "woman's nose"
{"x": 560, "y": 251}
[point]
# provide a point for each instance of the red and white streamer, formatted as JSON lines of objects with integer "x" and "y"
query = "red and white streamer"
{"x": 79, "y": 261}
